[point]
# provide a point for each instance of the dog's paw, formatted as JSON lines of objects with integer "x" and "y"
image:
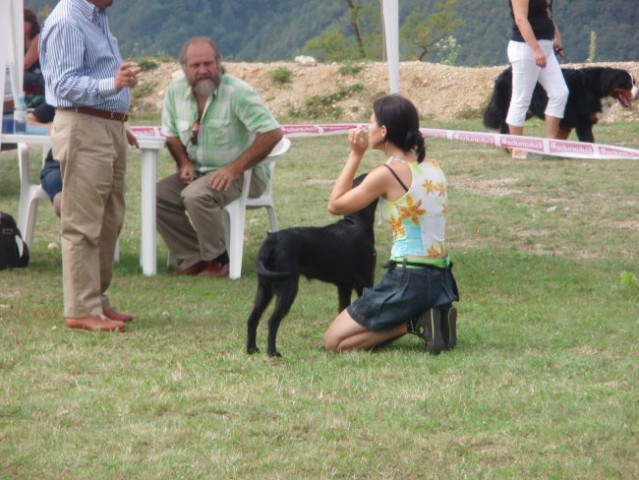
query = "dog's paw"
{"x": 252, "y": 350}
{"x": 274, "y": 354}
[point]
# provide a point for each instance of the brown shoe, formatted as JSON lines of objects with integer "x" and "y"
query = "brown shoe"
{"x": 215, "y": 269}
{"x": 113, "y": 314}
{"x": 95, "y": 324}
{"x": 193, "y": 269}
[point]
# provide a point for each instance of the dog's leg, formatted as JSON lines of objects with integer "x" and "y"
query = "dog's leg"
{"x": 344, "y": 292}
{"x": 584, "y": 133}
{"x": 263, "y": 297}
{"x": 285, "y": 293}
{"x": 564, "y": 133}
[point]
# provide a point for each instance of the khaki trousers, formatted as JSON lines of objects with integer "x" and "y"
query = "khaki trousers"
{"x": 92, "y": 153}
{"x": 190, "y": 218}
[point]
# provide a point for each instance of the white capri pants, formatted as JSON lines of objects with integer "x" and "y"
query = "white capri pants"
{"x": 526, "y": 74}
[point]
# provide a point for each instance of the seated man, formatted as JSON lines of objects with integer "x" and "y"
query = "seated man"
{"x": 50, "y": 176}
{"x": 216, "y": 127}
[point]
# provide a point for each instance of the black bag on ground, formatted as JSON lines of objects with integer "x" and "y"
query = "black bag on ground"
{"x": 10, "y": 243}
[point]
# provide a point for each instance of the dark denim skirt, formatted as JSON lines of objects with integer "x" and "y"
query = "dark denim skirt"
{"x": 402, "y": 294}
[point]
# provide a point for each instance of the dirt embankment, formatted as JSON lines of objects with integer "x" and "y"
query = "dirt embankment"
{"x": 441, "y": 92}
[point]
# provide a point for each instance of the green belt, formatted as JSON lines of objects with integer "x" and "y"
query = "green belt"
{"x": 421, "y": 262}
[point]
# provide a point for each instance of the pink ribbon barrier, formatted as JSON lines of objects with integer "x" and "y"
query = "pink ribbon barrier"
{"x": 536, "y": 145}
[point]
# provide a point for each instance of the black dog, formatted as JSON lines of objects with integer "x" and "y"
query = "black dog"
{"x": 342, "y": 253}
{"x": 592, "y": 91}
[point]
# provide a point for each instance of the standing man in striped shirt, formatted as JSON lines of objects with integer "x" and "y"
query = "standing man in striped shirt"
{"x": 88, "y": 84}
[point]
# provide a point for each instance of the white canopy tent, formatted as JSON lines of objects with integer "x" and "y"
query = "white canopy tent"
{"x": 11, "y": 48}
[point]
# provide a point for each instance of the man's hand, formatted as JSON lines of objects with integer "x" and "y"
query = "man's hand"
{"x": 127, "y": 75}
{"x": 133, "y": 141}
{"x": 224, "y": 178}
{"x": 187, "y": 173}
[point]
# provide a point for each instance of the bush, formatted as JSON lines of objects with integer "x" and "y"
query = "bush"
{"x": 146, "y": 64}
{"x": 349, "y": 69}
{"x": 282, "y": 75}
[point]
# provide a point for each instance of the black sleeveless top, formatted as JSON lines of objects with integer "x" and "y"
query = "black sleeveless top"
{"x": 540, "y": 18}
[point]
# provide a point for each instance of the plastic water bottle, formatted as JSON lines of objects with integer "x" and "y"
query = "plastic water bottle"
{"x": 20, "y": 115}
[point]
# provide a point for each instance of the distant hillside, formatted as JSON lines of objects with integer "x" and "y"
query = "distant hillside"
{"x": 269, "y": 30}
{"x": 441, "y": 92}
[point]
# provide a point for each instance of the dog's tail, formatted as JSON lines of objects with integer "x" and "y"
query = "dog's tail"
{"x": 497, "y": 109}
{"x": 267, "y": 258}
{"x": 264, "y": 272}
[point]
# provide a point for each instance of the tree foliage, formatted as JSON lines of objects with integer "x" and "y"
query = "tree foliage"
{"x": 357, "y": 14}
{"x": 421, "y": 35}
{"x": 468, "y": 32}
{"x": 330, "y": 46}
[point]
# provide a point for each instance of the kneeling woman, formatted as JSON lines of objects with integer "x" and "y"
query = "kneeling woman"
{"x": 416, "y": 293}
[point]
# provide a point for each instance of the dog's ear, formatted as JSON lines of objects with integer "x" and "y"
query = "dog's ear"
{"x": 607, "y": 80}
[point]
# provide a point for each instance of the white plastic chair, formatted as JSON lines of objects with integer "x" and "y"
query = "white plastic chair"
{"x": 30, "y": 195}
{"x": 266, "y": 199}
{"x": 236, "y": 211}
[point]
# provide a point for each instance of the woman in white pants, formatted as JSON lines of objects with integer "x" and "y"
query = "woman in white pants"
{"x": 532, "y": 53}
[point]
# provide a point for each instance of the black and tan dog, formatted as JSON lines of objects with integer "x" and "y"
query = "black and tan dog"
{"x": 592, "y": 92}
{"x": 342, "y": 253}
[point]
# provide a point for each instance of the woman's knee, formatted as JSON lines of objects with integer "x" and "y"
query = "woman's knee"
{"x": 557, "y": 100}
{"x": 331, "y": 342}
{"x": 516, "y": 117}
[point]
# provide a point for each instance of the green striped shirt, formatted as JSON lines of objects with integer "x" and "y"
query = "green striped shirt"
{"x": 232, "y": 117}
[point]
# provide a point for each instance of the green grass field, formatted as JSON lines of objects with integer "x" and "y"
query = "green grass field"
{"x": 544, "y": 382}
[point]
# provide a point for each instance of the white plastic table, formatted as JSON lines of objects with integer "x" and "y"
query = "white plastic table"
{"x": 151, "y": 142}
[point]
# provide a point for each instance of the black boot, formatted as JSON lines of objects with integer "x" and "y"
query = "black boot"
{"x": 449, "y": 327}
{"x": 428, "y": 327}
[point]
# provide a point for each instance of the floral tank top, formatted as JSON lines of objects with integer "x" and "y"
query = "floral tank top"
{"x": 418, "y": 219}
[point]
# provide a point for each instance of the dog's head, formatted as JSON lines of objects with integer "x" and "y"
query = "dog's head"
{"x": 365, "y": 216}
{"x": 620, "y": 85}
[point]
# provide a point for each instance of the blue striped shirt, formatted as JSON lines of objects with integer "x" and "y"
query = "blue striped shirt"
{"x": 80, "y": 57}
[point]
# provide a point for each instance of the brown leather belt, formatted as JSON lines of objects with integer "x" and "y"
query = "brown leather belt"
{"x": 94, "y": 112}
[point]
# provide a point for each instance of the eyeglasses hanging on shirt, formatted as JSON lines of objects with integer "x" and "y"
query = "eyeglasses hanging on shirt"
{"x": 195, "y": 131}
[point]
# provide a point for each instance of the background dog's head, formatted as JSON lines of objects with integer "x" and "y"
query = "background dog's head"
{"x": 620, "y": 85}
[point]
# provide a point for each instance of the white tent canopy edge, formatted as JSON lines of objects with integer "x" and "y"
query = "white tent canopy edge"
{"x": 390, "y": 14}
{"x": 11, "y": 48}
